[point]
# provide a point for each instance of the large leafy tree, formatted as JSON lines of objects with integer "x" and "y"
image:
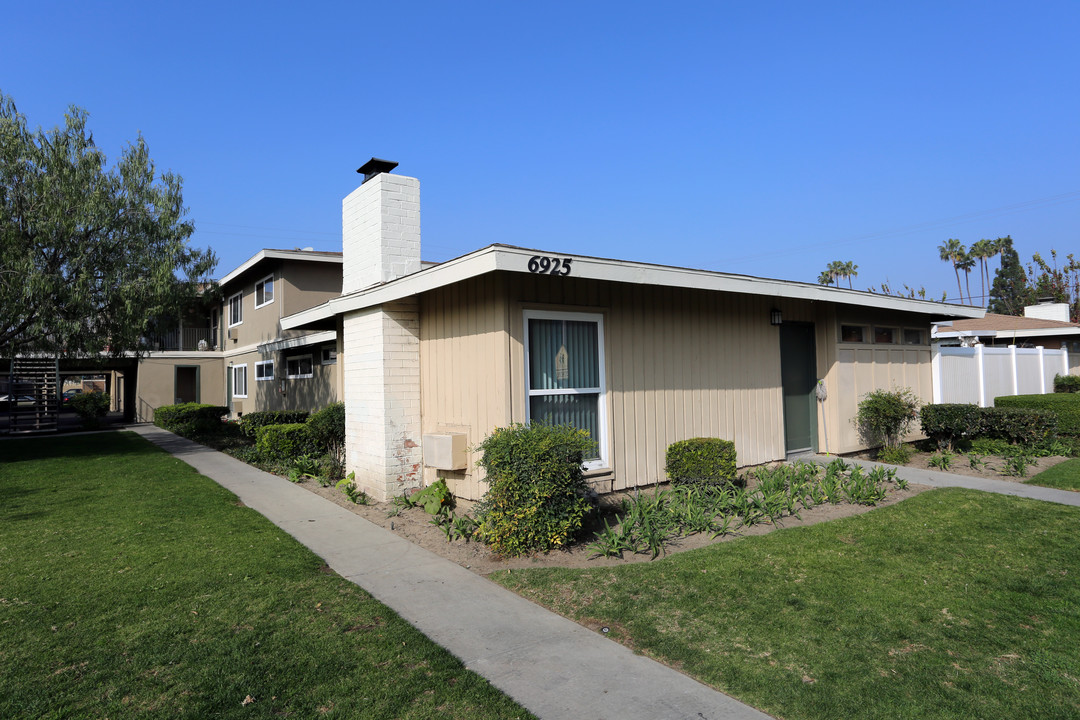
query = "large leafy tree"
{"x": 90, "y": 255}
{"x": 1061, "y": 284}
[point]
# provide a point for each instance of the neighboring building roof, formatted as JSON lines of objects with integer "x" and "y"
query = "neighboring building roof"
{"x": 270, "y": 254}
{"x": 516, "y": 259}
{"x": 295, "y": 342}
{"x": 994, "y": 325}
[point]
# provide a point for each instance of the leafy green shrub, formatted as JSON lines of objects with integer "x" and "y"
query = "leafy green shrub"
{"x": 284, "y": 442}
{"x": 701, "y": 461}
{"x": 1067, "y": 383}
{"x": 895, "y": 455}
{"x": 1066, "y": 406}
{"x": 886, "y": 416}
{"x": 250, "y": 423}
{"x": 537, "y": 499}
{"x": 1019, "y": 425}
{"x": 90, "y": 407}
{"x": 189, "y": 419}
{"x": 327, "y": 427}
{"x": 946, "y": 424}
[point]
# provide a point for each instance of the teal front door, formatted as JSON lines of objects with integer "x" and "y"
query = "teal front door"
{"x": 798, "y": 379}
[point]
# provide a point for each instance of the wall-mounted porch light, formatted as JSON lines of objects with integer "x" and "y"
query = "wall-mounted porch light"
{"x": 775, "y": 318}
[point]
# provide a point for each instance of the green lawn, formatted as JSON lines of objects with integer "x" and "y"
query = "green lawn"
{"x": 1064, "y": 476}
{"x": 130, "y": 586}
{"x": 952, "y": 604}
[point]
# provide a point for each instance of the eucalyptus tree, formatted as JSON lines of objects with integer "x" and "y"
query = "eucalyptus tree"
{"x": 90, "y": 255}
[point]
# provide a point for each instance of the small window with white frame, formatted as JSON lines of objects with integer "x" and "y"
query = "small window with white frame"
{"x": 298, "y": 367}
{"x": 328, "y": 356}
{"x": 264, "y": 291}
{"x": 239, "y": 381}
{"x": 914, "y": 336}
{"x": 236, "y": 309}
{"x": 884, "y": 336}
{"x": 264, "y": 370}
{"x": 853, "y": 334}
{"x": 564, "y": 374}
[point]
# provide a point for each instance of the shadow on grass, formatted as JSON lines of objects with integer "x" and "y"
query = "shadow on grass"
{"x": 109, "y": 442}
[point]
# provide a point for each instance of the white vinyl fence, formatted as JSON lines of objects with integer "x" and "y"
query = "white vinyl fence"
{"x": 979, "y": 374}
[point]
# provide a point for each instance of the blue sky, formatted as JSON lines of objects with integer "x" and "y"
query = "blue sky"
{"x": 764, "y": 138}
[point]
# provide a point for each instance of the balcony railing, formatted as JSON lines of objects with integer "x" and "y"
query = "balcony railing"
{"x": 187, "y": 339}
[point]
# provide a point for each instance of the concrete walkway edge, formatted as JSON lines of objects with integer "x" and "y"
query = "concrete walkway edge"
{"x": 554, "y": 667}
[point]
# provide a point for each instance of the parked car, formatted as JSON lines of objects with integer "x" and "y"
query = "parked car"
{"x": 68, "y": 394}
{"x": 6, "y": 401}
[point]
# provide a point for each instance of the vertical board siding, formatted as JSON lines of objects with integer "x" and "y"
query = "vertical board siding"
{"x": 463, "y": 365}
{"x": 861, "y": 370}
{"x": 679, "y": 363}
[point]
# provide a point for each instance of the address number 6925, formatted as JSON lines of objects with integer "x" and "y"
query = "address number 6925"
{"x": 549, "y": 265}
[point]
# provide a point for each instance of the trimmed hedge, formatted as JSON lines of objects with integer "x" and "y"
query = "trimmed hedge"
{"x": 1067, "y": 383}
{"x": 284, "y": 442}
{"x": 701, "y": 461}
{"x": 327, "y": 426}
{"x": 1018, "y": 425}
{"x": 252, "y": 421}
{"x": 1065, "y": 406}
{"x": 189, "y": 419}
{"x": 947, "y": 423}
{"x": 537, "y": 499}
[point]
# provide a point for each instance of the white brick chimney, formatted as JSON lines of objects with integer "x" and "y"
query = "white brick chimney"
{"x": 1047, "y": 309}
{"x": 380, "y": 228}
{"x": 381, "y": 344}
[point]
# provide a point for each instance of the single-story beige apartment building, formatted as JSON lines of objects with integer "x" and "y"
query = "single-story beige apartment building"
{"x": 433, "y": 358}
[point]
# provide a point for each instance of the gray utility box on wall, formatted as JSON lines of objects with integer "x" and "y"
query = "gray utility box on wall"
{"x": 446, "y": 451}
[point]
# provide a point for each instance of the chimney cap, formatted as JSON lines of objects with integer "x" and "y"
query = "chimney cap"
{"x": 374, "y": 166}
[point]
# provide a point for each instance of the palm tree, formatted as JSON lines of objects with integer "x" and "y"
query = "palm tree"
{"x": 982, "y": 251}
{"x": 952, "y": 251}
{"x": 825, "y": 278}
{"x": 850, "y": 270}
{"x": 966, "y": 262}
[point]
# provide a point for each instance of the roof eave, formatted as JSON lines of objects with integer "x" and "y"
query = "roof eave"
{"x": 514, "y": 259}
{"x": 267, "y": 254}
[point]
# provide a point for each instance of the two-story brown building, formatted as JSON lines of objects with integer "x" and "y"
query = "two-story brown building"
{"x": 235, "y": 353}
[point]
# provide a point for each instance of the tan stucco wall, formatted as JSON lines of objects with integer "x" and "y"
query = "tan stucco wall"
{"x": 156, "y": 383}
{"x": 679, "y": 363}
{"x": 310, "y": 394}
{"x": 307, "y": 284}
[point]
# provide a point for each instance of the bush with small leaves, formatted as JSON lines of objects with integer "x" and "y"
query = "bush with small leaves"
{"x": 190, "y": 419}
{"x": 90, "y": 407}
{"x": 327, "y": 427}
{"x": 1065, "y": 407}
{"x": 1067, "y": 383}
{"x": 886, "y": 416}
{"x": 1018, "y": 424}
{"x": 948, "y": 423}
{"x": 251, "y": 422}
{"x": 284, "y": 442}
{"x": 701, "y": 461}
{"x": 537, "y": 498}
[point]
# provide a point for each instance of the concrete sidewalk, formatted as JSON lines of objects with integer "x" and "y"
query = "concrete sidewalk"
{"x": 944, "y": 479}
{"x": 551, "y": 665}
